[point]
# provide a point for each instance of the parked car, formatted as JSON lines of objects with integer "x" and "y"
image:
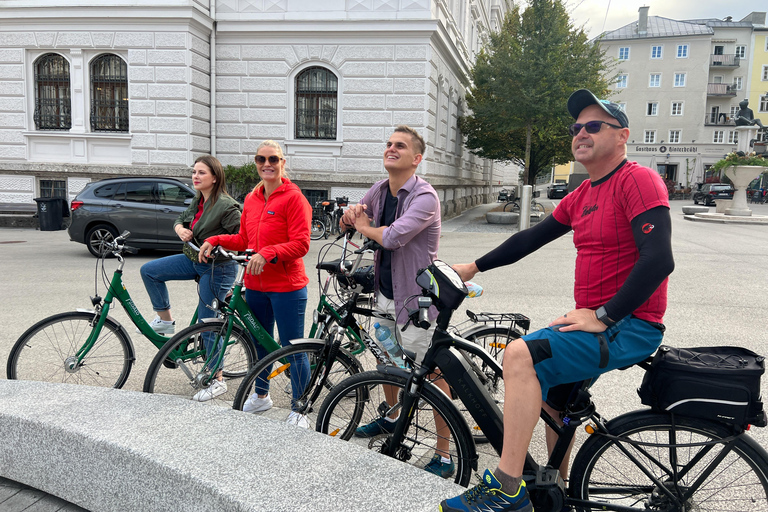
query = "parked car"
{"x": 503, "y": 195}
{"x": 557, "y": 190}
{"x": 147, "y": 207}
{"x": 709, "y": 192}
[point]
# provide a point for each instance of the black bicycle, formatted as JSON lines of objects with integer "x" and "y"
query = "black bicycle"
{"x": 642, "y": 460}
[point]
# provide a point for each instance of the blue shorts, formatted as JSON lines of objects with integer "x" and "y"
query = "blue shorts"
{"x": 565, "y": 357}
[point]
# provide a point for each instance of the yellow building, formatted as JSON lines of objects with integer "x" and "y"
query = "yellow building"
{"x": 758, "y": 86}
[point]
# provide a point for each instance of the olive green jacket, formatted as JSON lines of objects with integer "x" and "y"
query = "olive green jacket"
{"x": 223, "y": 218}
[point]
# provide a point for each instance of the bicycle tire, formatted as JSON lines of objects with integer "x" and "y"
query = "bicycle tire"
{"x": 187, "y": 349}
{"x": 537, "y": 207}
{"x": 278, "y": 378}
{"x": 42, "y": 351}
{"x": 512, "y": 206}
{"x": 739, "y": 482}
{"x": 317, "y": 229}
{"x": 494, "y": 339}
{"x": 358, "y": 401}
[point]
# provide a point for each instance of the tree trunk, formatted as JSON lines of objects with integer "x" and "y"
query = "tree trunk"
{"x": 526, "y": 177}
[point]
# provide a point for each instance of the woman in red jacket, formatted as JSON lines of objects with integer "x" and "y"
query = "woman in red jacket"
{"x": 275, "y": 223}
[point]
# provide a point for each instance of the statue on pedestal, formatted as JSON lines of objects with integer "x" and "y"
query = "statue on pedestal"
{"x": 745, "y": 116}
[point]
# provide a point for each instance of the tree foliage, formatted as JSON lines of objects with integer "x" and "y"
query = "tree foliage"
{"x": 521, "y": 81}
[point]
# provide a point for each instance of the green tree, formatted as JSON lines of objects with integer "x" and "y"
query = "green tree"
{"x": 521, "y": 81}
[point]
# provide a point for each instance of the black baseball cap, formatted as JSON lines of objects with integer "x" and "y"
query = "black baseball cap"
{"x": 583, "y": 98}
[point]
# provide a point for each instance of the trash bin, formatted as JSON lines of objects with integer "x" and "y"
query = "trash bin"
{"x": 50, "y": 213}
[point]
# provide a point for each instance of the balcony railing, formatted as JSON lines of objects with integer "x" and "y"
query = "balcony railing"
{"x": 719, "y": 119}
{"x": 721, "y": 90}
{"x": 730, "y": 60}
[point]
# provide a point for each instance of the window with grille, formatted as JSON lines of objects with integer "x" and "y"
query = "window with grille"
{"x": 717, "y": 137}
{"x": 109, "y": 94}
{"x": 316, "y": 104}
{"x": 763, "y": 103}
{"x": 741, "y": 51}
{"x": 674, "y": 136}
{"x": 679, "y": 79}
{"x": 652, "y": 109}
{"x": 624, "y": 53}
{"x": 53, "y": 188}
{"x": 733, "y": 137}
{"x": 53, "y": 107}
{"x": 650, "y": 136}
{"x": 677, "y": 108}
{"x": 656, "y": 52}
{"x": 621, "y": 81}
{"x": 655, "y": 80}
{"x": 682, "y": 51}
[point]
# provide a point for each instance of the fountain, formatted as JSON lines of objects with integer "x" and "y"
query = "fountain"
{"x": 742, "y": 175}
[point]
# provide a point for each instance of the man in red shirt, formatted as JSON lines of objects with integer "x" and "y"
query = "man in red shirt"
{"x": 622, "y": 232}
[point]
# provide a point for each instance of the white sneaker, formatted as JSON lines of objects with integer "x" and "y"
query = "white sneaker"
{"x": 256, "y": 404}
{"x": 218, "y": 388}
{"x": 161, "y": 326}
{"x": 297, "y": 419}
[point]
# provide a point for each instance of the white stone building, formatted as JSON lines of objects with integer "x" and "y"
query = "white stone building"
{"x": 681, "y": 83}
{"x": 143, "y": 87}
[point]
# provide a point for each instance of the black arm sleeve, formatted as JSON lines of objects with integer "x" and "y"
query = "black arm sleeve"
{"x": 653, "y": 236}
{"x": 522, "y": 244}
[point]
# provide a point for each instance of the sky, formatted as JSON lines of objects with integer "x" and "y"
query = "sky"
{"x": 592, "y": 13}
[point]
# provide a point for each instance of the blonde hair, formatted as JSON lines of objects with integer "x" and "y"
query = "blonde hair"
{"x": 276, "y": 147}
{"x": 220, "y": 186}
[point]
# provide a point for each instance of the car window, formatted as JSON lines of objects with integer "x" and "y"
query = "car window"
{"x": 172, "y": 194}
{"x": 135, "y": 191}
{"x": 106, "y": 191}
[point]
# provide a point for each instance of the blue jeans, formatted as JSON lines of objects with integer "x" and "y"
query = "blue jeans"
{"x": 287, "y": 309}
{"x": 179, "y": 267}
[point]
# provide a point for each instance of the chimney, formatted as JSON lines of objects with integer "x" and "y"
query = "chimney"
{"x": 642, "y": 23}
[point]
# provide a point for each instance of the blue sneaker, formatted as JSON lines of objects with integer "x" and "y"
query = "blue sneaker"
{"x": 375, "y": 428}
{"x": 442, "y": 469}
{"x": 487, "y": 495}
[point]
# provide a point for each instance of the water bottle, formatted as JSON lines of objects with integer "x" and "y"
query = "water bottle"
{"x": 473, "y": 289}
{"x": 388, "y": 341}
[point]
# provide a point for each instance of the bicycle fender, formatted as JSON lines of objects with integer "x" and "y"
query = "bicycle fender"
{"x": 302, "y": 341}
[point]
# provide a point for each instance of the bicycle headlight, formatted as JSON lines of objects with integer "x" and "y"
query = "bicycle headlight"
{"x": 315, "y": 316}
{"x": 215, "y": 304}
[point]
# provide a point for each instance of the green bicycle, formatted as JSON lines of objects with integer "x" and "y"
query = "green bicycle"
{"x": 86, "y": 346}
{"x": 193, "y": 358}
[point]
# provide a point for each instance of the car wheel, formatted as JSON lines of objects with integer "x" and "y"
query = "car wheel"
{"x": 695, "y": 201}
{"x": 96, "y": 237}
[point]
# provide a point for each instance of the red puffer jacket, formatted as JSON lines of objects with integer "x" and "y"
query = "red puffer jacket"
{"x": 278, "y": 229}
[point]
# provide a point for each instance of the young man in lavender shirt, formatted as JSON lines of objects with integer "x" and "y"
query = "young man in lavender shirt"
{"x": 402, "y": 213}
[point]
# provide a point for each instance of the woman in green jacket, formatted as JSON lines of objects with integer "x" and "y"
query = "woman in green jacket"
{"x": 212, "y": 212}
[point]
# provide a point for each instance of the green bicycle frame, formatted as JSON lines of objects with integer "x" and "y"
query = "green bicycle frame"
{"x": 324, "y": 306}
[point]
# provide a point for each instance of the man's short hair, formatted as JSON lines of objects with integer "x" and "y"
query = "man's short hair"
{"x": 418, "y": 140}
{"x": 583, "y": 98}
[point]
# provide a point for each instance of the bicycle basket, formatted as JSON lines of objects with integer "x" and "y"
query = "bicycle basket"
{"x": 363, "y": 276}
{"x": 443, "y": 284}
{"x": 713, "y": 383}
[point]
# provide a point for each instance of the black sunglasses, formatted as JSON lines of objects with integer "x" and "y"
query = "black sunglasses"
{"x": 273, "y": 159}
{"x": 590, "y": 126}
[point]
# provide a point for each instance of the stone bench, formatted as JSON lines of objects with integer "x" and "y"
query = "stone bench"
{"x": 692, "y": 210}
{"x": 113, "y": 450}
{"x": 502, "y": 218}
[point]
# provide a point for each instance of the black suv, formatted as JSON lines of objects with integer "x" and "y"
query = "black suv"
{"x": 147, "y": 207}
{"x": 711, "y": 191}
{"x": 557, "y": 190}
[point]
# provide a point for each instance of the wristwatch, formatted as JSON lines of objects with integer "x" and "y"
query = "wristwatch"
{"x": 602, "y": 315}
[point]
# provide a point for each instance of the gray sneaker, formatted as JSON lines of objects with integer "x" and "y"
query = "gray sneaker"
{"x": 161, "y": 326}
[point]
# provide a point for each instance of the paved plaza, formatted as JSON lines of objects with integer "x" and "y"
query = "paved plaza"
{"x": 717, "y": 293}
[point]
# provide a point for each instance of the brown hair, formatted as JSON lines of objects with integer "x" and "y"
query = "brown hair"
{"x": 418, "y": 140}
{"x": 220, "y": 186}
{"x": 276, "y": 146}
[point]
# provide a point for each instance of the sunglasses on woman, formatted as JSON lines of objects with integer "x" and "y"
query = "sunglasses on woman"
{"x": 590, "y": 126}
{"x": 273, "y": 159}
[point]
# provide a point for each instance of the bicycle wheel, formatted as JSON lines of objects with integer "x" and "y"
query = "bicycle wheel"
{"x": 47, "y": 352}
{"x": 317, "y": 229}
{"x": 360, "y": 400}
{"x": 603, "y": 472}
{"x": 279, "y": 370}
{"x": 183, "y": 366}
{"x": 512, "y": 206}
{"x": 537, "y": 207}
{"x": 494, "y": 339}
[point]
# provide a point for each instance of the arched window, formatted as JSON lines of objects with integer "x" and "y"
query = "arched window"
{"x": 109, "y": 94}
{"x": 53, "y": 109}
{"x": 316, "y": 104}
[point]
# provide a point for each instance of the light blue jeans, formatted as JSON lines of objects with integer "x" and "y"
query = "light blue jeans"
{"x": 287, "y": 309}
{"x": 213, "y": 284}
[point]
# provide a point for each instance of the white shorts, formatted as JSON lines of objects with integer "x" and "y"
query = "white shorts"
{"x": 414, "y": 338}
